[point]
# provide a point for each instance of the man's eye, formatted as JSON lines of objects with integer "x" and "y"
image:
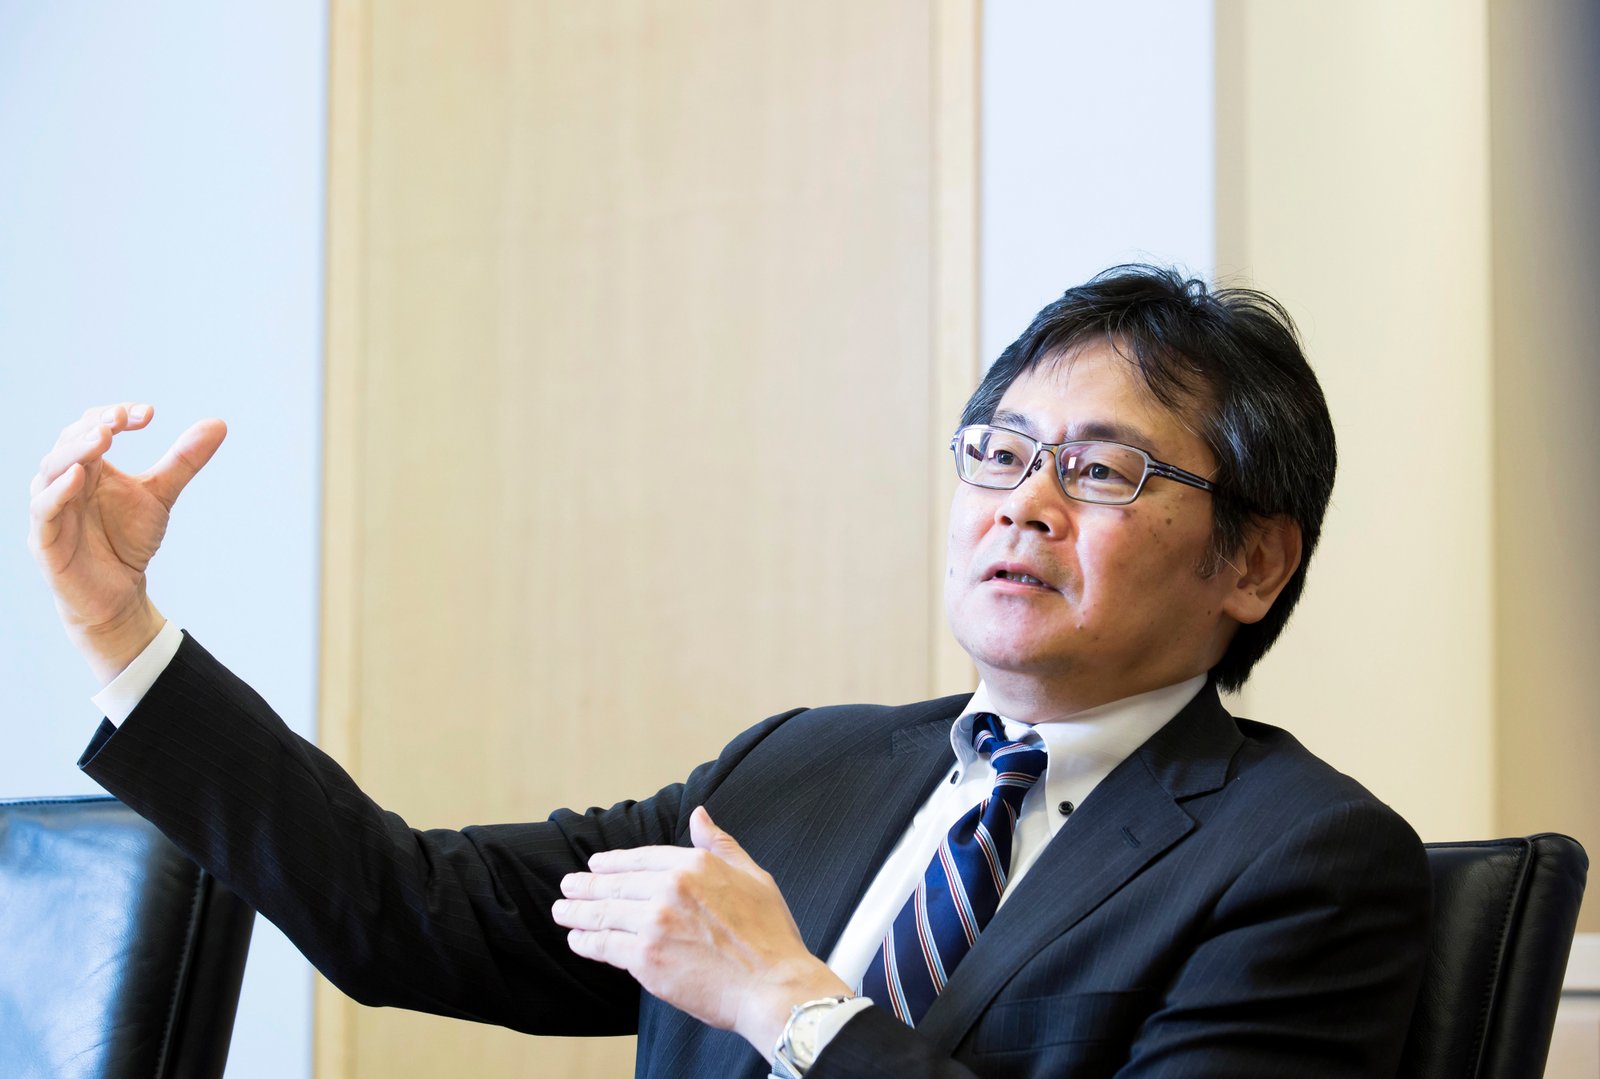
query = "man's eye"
{"x": 1108, "y": 474}
{"x": 1003, "y": 458}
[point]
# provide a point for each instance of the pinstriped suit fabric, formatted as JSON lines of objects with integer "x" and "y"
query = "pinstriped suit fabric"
{"x": 1223, "y": 904}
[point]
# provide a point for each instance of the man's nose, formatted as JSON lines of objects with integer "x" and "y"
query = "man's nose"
{"x": 1038, "y": 501}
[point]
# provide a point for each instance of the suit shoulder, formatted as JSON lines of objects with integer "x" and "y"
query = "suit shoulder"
{"x": 890, "y": 715}
{"x": 1272, "y": 760}
{"x": 814, "y": 734}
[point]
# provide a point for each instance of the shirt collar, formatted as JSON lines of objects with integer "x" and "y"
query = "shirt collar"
{"x": 1083, "y": 748}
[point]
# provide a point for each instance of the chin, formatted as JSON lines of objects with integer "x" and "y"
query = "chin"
{"x": 1011, "y": 656}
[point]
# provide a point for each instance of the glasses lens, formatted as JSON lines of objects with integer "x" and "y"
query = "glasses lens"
{"x": 993, "y": 457}
{"x": 1101, "y": 471}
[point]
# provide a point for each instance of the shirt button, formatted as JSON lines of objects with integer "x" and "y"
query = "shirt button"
{"x": 955, "y": 776}
{"x": 1066, "y": 808}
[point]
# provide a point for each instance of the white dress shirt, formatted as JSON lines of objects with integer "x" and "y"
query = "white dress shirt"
{"x": 123, "y": 693}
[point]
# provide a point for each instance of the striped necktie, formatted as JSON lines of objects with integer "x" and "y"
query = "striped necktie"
{"x": 961, "y": 888}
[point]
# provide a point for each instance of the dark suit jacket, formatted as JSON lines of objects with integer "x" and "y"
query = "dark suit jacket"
{"x": 1222, "y": 904}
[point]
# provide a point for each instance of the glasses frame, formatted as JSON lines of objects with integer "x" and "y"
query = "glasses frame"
{"x": 1152, "y": 467}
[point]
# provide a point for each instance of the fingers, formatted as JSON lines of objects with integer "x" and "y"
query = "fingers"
{"x": 126, "y": 416}
{"x": 79, "y": 444}
{"x": 694, "y": 927}
{"x": 633, "y": 900}
{"x": 44, "y": 509}
{"x": 705, "y": 835}
{"x": 620, "y": 932}
{"x": 610, "y": 931}
{"x": 614, "y": 885}
{"x": 645, "y": 859}
{"x": 626, "y": 888}
{"x": 88, "y": 438}
{"x": 703, "y": 831}
{"x": 628, "y": 916}
{"x": 187, "y": 456}
{"x": 620, "y": 950}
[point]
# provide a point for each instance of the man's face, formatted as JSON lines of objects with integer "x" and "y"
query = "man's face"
{"x": 1122, "y": 608}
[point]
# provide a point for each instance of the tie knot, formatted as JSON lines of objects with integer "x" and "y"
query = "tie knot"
{"x": 1016, "y": 763}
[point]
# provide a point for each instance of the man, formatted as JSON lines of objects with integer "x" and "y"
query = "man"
{"x": 1087, "y": 868}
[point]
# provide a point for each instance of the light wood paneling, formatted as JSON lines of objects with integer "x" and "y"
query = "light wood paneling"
{"x": 957, "y": 361}
{"x": 1546, "y": 476}
{"x": 645, "y": 323}
{"x": 1353, "y": 163}
{"x": 1420, "y": 188}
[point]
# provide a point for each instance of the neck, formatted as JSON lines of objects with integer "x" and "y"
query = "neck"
{"x": 1031, "y": 699}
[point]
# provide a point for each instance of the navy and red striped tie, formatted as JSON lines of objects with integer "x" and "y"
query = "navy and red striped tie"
{"x": 961, "y": 889}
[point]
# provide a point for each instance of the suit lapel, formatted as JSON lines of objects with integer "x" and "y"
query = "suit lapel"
{"x": 855, "y": 815}
{"x": 1130, "y": 819}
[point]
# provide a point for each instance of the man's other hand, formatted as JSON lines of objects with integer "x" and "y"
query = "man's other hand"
{"x": 93, "y": 529}
{"x": 703, "y": 928}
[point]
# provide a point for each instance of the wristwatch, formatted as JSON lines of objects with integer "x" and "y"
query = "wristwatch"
{"x": 797, "y": 1048}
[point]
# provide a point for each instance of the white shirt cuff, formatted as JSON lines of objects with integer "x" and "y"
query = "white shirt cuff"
{"x": 124, "y": 692}
{"x": 835, "y": 1019}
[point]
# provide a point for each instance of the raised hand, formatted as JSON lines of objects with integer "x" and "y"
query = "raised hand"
{"x": 94, "y": 528}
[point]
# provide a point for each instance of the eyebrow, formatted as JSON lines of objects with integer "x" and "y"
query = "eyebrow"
{"x": 1108, "y": 430}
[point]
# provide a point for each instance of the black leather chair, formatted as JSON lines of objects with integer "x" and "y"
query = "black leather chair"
{"x": 119, "y": 957}
{"x": 1504, "y": 912}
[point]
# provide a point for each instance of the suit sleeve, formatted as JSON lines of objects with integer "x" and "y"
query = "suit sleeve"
{"x": 451, "y": 922}
{"x": 1307, "y": 965}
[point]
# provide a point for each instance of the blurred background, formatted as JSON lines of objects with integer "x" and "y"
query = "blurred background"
{"x": 590, "y": 365}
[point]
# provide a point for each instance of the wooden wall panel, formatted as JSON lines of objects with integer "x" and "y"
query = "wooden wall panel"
{"x": 1544, "y": 171}
{"x": 647, "y": 322}
{"x": 1352, "y": 184}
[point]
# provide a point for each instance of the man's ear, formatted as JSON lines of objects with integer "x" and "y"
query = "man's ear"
{"x": 1267, "y": 559}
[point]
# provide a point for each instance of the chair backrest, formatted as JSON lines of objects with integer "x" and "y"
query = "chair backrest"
{"x": 119, "y": 957}
{"x": 1503, "y": 916}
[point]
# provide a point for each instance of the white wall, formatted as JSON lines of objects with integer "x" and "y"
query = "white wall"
{"x": 1097, "y": 148}
{"x": 161, "y": 239}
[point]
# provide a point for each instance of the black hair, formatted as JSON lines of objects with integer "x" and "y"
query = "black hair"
{"x": 1229, "y": 361}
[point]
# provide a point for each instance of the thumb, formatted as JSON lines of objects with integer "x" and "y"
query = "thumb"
{"x": 705, "y": 835}
{"x": 187, "y": 456}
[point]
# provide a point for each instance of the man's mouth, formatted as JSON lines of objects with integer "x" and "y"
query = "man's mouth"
{"x": 1017, "y": 574}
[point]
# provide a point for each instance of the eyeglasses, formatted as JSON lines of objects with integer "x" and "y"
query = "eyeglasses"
{"x": 1105, "y": 473}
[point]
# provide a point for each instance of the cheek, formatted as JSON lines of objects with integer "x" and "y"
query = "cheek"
{"x": 966, "y": 526}
{"x": 1132, "y": 559}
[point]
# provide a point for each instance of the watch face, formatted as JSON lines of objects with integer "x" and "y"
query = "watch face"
{"x": 799, "y": 1045}
{"x": 803, "y": 1039}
